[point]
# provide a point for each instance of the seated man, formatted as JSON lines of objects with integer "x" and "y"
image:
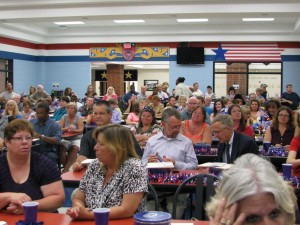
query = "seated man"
{"x": 232, "y": 144}
{"x": 40, "y": 94}
{"x": 47, "y": 130}
{"x": 64, "y": 100}
{"x": 102, "y": 112}
{"x": 171, "y": 146}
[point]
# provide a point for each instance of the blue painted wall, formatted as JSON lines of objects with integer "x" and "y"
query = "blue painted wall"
{"x": 68, "y": 74}
{"x": 25, "y": 75}
{"x": 291, "y": 75}
{"x": 203, "y": 74}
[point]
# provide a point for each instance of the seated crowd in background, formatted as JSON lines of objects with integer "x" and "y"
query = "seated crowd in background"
{"x": 181, "y": 119}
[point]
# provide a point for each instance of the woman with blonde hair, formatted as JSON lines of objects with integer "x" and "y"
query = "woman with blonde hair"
{"x": 12, "y": 110}
{"x": 252, "y": 192}
{"x": 116, "y": 179}
{"x": 71, "y": 123}
{"x": 110, "y": 93}
{"x": 182, "y": 103}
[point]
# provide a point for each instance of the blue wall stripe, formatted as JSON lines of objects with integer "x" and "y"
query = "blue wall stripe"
{"x": 10, "y": 55}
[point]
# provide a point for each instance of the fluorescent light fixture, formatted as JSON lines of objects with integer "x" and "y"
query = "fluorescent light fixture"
{"x": 69, "y": 23}
{"x": 129, "y": 21}
{"x": 192, "y": 20}
{"x": 257, "y": 19}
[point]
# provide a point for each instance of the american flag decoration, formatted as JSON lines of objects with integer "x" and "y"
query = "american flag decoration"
{"x": 260, "y": 52}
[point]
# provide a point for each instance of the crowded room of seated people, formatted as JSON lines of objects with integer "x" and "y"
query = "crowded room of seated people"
{"x": 73, "y": 154}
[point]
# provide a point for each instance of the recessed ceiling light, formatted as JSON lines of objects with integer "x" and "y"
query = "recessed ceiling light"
{"x": 129, "y": 21}
{"x": 192, "y": 20}
{"x": 69, "y": 23}
{"x": 257, "y": 19}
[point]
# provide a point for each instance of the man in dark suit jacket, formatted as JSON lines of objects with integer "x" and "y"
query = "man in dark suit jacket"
{"x": 231, "y": 143}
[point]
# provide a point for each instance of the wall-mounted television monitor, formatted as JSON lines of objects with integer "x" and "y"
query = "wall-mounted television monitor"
{"x": 190, "y": 55}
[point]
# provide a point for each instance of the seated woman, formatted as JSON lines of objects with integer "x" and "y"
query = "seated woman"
{"x": 71, "y": 123}
{"x": 256, "y": 111}
{"x": 271, "y": 109}
{"x": 115, "y": 180}
{"x": 110, "y": 94}
{"x": 28, "y": 112}
{"x": 147, "y": 126}
{"x": 131, "y": 101}
{"x": 281, "y": 131}
{"x": 196, "y": 129}
{"x": 218, "y": 107}
{"x": 90, "y": 92}
{"x": 252, "y": 192}
{"x": 239, "y": 123}
{"x": 294, "y": 153}
{"x": 26, "y": 175}
{"x": 12, "y": 110}
{"x": 182, "y": 103}
{"x": 157, "y": 107}
{"x": 134, "y": 116}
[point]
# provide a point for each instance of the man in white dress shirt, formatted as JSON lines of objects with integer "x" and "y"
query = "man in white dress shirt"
{"x": 171, "y": 146}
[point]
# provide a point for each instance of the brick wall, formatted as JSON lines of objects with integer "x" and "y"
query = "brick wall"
{"x": 115, "y": 78}
{"x": 239, "y": 79}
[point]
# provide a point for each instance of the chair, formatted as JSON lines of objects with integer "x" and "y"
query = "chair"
{"x": 152, "y": 194}
{"x": 204, "y": 190}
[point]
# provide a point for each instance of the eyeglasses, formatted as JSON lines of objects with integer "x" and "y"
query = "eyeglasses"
{"x": 198, "y": 113}
{"x": 100, "y": 114}
{"x": 219, "y": 131}
{"x": 20, "y": 139}
{"x": 283, "y": 115}
{"x": 147, "y": 109}
{"x": 192, "y": 103}
{"x": 173, "y": 127}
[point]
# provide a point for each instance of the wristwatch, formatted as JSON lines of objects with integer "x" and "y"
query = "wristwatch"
{"x": 42, "y": 137}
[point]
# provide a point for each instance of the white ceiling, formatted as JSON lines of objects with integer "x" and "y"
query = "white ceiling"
{"x": 32, "y": 20}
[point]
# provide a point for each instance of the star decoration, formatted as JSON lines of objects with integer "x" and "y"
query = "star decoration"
{"x": 220, "y": 53}
{"x": 128, "y": 75}
{"x": 104, "y": 75}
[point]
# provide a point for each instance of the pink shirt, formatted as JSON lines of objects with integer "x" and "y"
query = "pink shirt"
{"x": 133, "y": 118}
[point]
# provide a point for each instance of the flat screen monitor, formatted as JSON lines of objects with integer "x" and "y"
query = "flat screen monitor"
{"x": 190, "y": 55}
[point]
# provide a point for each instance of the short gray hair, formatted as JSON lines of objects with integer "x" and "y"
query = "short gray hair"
{"x": 225, "y": 120}
{"x": 251, "y": 175}
{"x": 168, "y": 112}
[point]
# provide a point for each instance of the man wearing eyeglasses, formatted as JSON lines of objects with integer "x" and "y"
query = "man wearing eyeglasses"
{"x": 232, "y": 144}
{"x": 187, "y": 113}
{"x": 102, "y": 112}
{"x": 171, "y": 146}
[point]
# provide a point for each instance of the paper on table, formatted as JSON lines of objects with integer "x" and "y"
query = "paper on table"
{"x": 156, "y": 165}
{"x": 87, "y": 161}
{"x": 219, "y": 165}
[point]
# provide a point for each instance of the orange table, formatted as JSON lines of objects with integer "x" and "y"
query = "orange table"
{"x": 72, "y": 179}
{"x": 63, "y": 219}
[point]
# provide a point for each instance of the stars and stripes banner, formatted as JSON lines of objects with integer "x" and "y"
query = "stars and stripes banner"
{"x": 243, "y": 52}
{"x": 129, "y": 75}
